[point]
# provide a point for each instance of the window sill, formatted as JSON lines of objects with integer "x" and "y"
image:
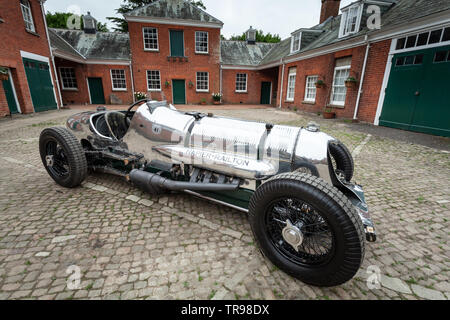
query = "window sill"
{"x": 202, "y": 91}
{"x": 151, "y": 50}
{"x": 337, "y": 106}
{"x": 120, "y": 90}
{"x": 69, "y": 89}
{"x": 32, "y": 32}
{"x": 289, "y": 100}
{"x": 240, "y": 92}
{"x": 154, "y": 90}
{"x": 308, "y": 102}
{"x": 202, "y": 53}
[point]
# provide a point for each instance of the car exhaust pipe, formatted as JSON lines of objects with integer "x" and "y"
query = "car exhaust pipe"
{"x": 154, "y": 183}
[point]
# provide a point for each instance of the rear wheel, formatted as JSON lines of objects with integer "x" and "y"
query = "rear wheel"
{"x": 63, "y": 156}
{"x": 307, "y": 228}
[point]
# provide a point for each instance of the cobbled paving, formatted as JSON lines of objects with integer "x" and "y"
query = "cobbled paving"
{"x": 125, "y": 244}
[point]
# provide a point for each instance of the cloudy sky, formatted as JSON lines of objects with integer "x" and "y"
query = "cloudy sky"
{"x": 282, "y": 16}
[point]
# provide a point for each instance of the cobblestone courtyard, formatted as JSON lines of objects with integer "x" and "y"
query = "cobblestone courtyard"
{"x": 130, "y": 245}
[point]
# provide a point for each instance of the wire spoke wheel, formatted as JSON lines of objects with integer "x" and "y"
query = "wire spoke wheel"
{"x": 317, "y": 242}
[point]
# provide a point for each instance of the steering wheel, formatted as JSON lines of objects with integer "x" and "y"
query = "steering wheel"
{"x": 128, "y": 113}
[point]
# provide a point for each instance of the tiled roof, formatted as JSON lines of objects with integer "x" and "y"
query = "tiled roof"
{"x": 242, "y": 53}
{"x": 101, "y": 45}
{"x": 173, "y": 9}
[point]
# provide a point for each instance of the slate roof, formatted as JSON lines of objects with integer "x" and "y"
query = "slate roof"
{"x": 98, "y": 46}
{"x": 399, "y": 12}
{"x": 173, "y": 9}
{"x": 241, "y": 53}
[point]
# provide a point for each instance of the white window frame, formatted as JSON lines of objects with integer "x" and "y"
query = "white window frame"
{"x": 27, "y": 15}
{"x": 124, "y": 78}
{"x": 343, "y": 32}
{"x": 311, "y": 85}
{"x": 62, "y": 79}
{"x": 157, "y": 39}
{"x": 293, "y": 40}
{"x": 148, "y": 86}
{"x": 240, "y": 80}
{"x": 207, "y": 42}
{"x": 197, "y": 80}
{"x": 292, "y": 78}
{"x": 336, "y": 69}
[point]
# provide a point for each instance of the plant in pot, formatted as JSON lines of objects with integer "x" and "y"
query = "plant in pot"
{"x": 320, "y": 84}
{"x": 203, "y": 101}
{"x": 216, "y": 98}
{"x": 328, "y": 113}
{"x": 190, "y": 84}
{"x": 350, "y": 82}
{"x": 167, "y": 83}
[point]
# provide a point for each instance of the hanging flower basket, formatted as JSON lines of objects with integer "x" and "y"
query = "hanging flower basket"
{"x": 4, "y": 75}
{"x": 320, "y": 84}
{"x": 350, "y": 82}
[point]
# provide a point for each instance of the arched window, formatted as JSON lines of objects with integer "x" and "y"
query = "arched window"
{"x": 27, "y": 15}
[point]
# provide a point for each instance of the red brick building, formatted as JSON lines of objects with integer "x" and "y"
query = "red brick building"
{"x": 28, "y": 82}
{"x": 371, "y": 60}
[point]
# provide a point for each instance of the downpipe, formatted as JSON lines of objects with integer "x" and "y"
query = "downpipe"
{"x": 152, "y": 182}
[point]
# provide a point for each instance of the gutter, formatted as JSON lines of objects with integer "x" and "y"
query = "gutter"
{"x": 132, "y": 80}
{"x": 52, "y": 57}
{"x": 362, "y": 79}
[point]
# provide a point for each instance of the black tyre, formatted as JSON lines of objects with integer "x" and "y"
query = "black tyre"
{"x": 63, "y": 156}
{"x": 343, "y": 160}
{"x": 332, "y": 246}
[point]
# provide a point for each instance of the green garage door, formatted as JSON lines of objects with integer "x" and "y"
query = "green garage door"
{"x": 418, "y": 92}
{"x": 96, "y": 91}
{"x": 10, "y": 98}
{"x": 40, "y": 84}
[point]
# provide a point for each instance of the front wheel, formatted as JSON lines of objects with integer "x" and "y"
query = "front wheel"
{"x": 63, "y": 156}
{"x": 307, "y": 228}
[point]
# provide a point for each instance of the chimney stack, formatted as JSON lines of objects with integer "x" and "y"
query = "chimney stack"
{"x": 330, "y": 8}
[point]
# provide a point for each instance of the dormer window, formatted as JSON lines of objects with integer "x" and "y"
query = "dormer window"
{"x": 296, "y": 42}
{"x": 350, "y": 20}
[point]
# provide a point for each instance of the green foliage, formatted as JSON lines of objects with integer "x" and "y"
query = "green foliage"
{"x": 129, "y": 5}
{"x": 260, "y": 37}
{"x": 59, "y": 20}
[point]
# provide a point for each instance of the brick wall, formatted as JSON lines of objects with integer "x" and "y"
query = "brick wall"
{"x": 3, "y": 103}
{"x": 169, "y": 70}
{"x": 14, "y": 34}
{"x": 254, "y": 79}
{"x": 323, "y": 67}
{"x": 84, "y": 71}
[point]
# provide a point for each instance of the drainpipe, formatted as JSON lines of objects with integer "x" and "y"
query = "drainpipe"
{"x": 282, "y": 82}
{"x": 220, "y": 81}
{"x": 132, "y": 80}
{"x": 362, "y": 79}
{"x": 52, "y": 57}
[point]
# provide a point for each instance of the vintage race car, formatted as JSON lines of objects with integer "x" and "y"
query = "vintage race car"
{"x": 294, "y": 183}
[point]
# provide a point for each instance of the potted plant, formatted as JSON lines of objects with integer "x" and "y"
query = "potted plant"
{"x": 139, "y": 95}
{"x": 190, "y": 84}
{"x": 320, "y": 84}
{"x": 203, "y": 101}
{"x": 216, "y": 98}
{"x": 4, "y": 75}
{"x": 328, "y": 113}
{"x": 167, "y": 83}
{"x": 350, "y": 82}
